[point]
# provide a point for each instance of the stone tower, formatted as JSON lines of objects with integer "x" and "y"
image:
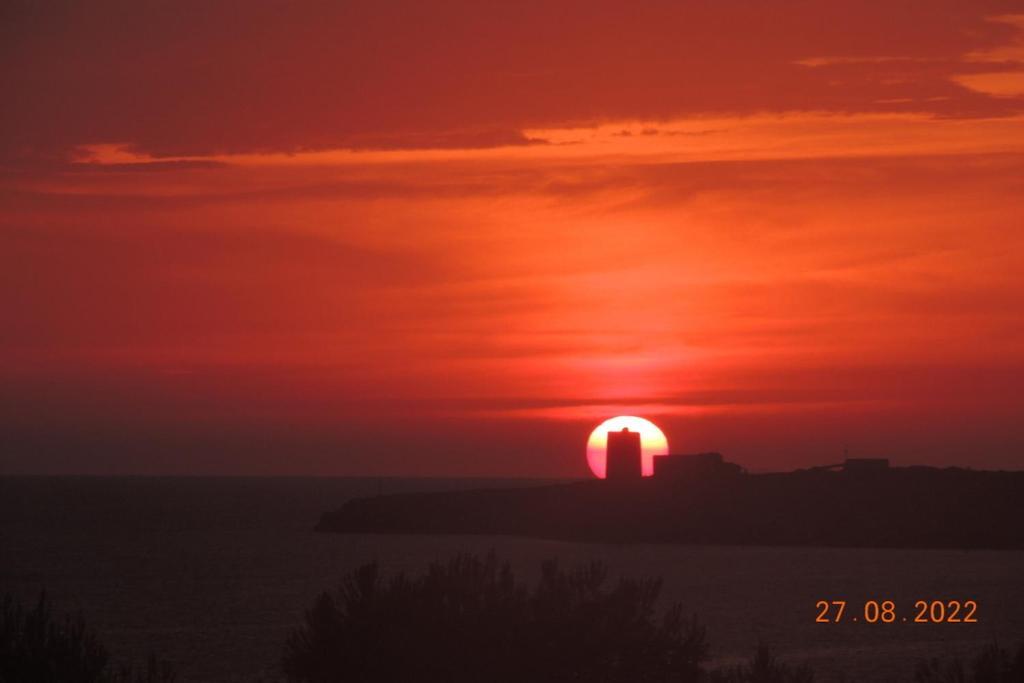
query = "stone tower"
{"x": 623, "y": 455}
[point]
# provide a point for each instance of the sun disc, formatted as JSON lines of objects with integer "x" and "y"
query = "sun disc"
{"x": 652, "y": 442}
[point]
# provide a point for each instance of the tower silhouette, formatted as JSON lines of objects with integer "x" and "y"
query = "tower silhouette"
{"x": 623, "y": 460}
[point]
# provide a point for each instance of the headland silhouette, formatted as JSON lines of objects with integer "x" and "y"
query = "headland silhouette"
{"x": 703, "y": 499}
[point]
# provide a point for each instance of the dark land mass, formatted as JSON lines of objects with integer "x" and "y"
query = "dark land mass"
{"x": 914, "y": 507}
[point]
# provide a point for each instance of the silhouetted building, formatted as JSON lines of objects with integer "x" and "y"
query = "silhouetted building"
{"x": 856, "y": 466}
{"x": 623, "y": 456}
{"x": 695, "y": 465}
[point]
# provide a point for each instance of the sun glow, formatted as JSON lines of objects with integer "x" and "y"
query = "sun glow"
{"x": 652, "y": 442}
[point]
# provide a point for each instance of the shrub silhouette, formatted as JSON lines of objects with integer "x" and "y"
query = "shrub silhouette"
{"x": 992, "y": 665}
{"x": 764, "y": 668}
{"x": 469, "y": 620}
{"x": 35, "y": 648}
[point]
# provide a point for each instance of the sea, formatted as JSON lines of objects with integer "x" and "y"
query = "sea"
{"x": 213, "y": 573}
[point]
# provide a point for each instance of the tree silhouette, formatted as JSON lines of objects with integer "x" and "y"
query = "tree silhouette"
{"x": 763, "y": 668}
{"x": 469, "y": 620}
{"x": 992, "y": 665}
{"x": 38, "y": 649}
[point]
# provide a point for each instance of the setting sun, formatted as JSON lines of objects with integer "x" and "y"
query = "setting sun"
{"x": 652, "y": 442}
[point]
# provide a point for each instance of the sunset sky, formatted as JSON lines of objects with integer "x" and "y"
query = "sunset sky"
{"x": 418, "y": 238}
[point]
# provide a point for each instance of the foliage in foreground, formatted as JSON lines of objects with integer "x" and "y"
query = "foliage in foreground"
{"x": 469, "y": 620}
{"x": 991, "y": 665}
{"x": 763, "y": 668}
{"x": 35, "y": 647}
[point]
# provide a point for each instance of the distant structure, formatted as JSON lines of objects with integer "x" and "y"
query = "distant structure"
{"x": 623, "y": 460}
{"x": 858, "y": 466}
{"x": 694, "y": 466}
{"x": 865, "y": 465}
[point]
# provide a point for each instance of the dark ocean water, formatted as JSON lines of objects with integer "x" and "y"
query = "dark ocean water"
{"x": 212, "y": 573}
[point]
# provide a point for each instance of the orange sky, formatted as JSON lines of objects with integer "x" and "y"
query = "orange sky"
{"x": 400, "y": 239}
